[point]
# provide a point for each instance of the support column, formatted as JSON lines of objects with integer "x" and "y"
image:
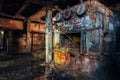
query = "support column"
{"x": 48, "y": 39}
{"x": 28, "y": 40}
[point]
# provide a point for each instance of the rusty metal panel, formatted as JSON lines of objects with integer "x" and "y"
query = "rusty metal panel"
{"x": 89, "y": 64}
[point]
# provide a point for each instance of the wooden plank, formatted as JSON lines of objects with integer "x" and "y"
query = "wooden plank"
{"x": 11, "y": 24}
{"x": 37, "y": 27}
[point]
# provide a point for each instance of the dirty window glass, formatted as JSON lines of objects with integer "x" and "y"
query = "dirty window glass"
{"x": 94, "y": 40}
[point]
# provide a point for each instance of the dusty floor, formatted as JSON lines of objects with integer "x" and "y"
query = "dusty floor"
{"x": 19, "y": 67}
{"x": 25, "y": 67}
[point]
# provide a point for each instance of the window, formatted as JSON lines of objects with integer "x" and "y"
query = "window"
{"x": 1, "y": 38}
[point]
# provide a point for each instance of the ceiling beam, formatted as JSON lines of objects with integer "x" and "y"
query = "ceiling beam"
{"x": 2, "y": 15}
{"x": 37, "y": 12}
{"x": 22, "y": 8}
